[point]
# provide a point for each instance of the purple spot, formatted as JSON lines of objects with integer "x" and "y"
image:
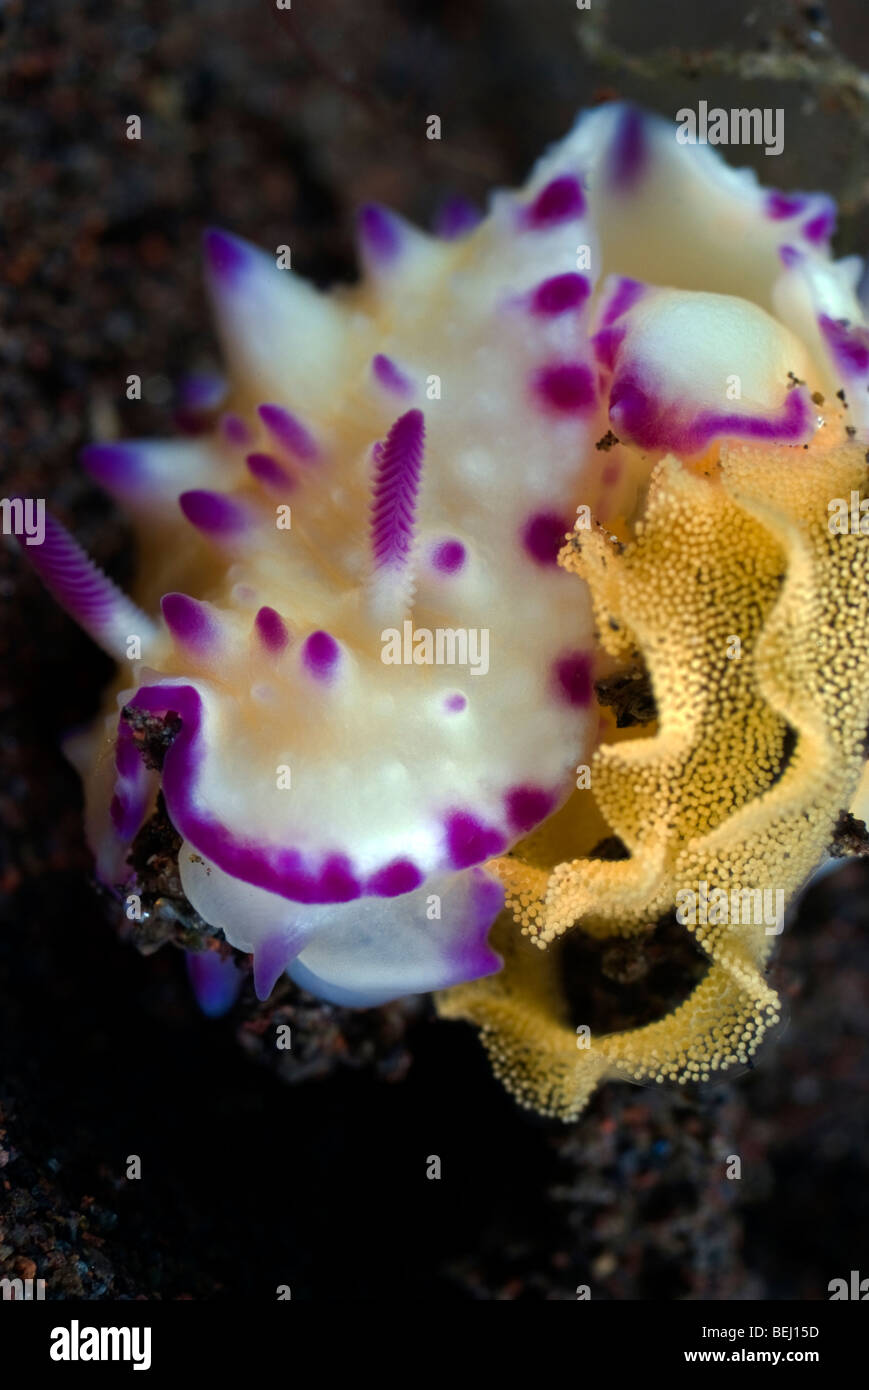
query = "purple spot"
{"x": 781, "y": 206}
{"x": 560, "y": 293}
{"x": 543, "y": 536}
{"x": 789, "y": 256}
{"x": 272, "y": 630}
{"x": 216, "y": 981}
{"x": 567, "y": 387}
{"x": 235, "y": 431}
{"x": 338, "y": 883}
{"x": 469, "y": 841}
{"x": 269, "y": 472}
{"x": 189, "y": 621}
{"x": 573, "y": 678}
{"x": 398, "y": 468}
{"x": 457, "y": 217}
{"x": 456, "y": 703}
{"x": 283, "y": 426}
{"x": 527, "y": 807}
{"x": 628, "y": 154}
{"x": 401, "y": 876}
{"x": 380, "y": 234}
{"x": 819, "y": 229}
{"x": 389, "y": 376}
{"x": 320, "y": 654}
{"x": 559, "y": 200}
{"x": 226, "y": 256}
{"x": 213, "y": 512}
{"x": 449, "y": 556}
{"x": 623, "y": 297}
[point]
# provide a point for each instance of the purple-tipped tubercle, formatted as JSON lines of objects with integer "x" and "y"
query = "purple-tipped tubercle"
{"x": 190, "y": 622}
{"x": 227, "y": 257}
{"x": 271, "y": 630}
{"x": 457, "y": 217}
{"x": 390, "y": 377}
{"x": 213, "y": 513}
{"x": 288, "y": 431}
{"x": 270, "y": 473}
{"x": 320, "y": 655}
{"x": 379, "y": 234}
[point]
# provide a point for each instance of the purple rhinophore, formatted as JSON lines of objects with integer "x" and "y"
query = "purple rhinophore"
{"x": 628, "y": 151}
{"x": 227, "y": 257}
{"x": 191, "y": 623}
{"x": 320, "y": 654}
{"x": 448, "y": 556}
{"x": 272, "y": 630}
{"x": 401, "y": 876}
{"x": 560, "y": 293}
{"x": 379, "y": 234}
{"x": 269, "y": 472}
{"x": 543, "y": 535}
{"x": 560, "y": 201}
{"x": 398, "y": 469}
{"x": 216, "y": 981}
{"x": 567, "y": 387}
{"x": 213, "y": 513}
{"x": 456, "y": 218}
{"x": 470, "y": 841}
{"x": 289, "y": 431}
{"x": 389, "y": 376}
{"x": 527, "y": 807}
{"x": 573, "y": 678}
{"x": 79, "y": 586}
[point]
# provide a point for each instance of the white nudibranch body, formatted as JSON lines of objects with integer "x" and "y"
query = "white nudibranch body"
{"x": 379, "y": 499}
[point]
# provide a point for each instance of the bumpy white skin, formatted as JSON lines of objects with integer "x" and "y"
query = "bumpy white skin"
{"x": 392, "y": 785}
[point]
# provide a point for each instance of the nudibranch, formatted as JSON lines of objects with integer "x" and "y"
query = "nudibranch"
{"x": 599, "y": 426}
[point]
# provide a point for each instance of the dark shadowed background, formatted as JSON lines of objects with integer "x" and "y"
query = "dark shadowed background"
{"x": 310, "y": 1170}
